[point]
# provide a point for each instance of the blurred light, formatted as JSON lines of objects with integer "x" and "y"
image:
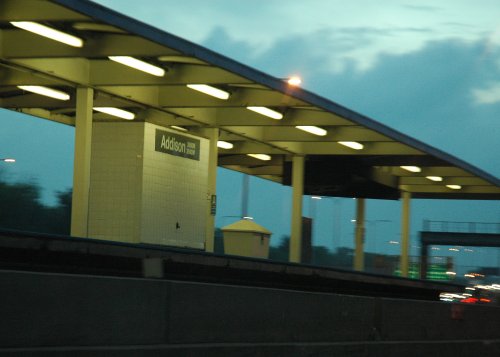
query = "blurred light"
{"x": 454, "y": 187}
{"x": 49, "y": 32}
{"x": 209, "y": 90}
{"x": 312, "y": 129}
{"x": 139, "y": 65}
{"x": 352, "y": 144}
{"x": 48, "y": 92}
{"x": 454, "y": 249}
{"x": 248, "y": 218}
{"x": 8, "y": 160}
{"x": 393, "y": 242}
{"x": 451, "y": 273}
{"x": 469, "y": 288}
{"x": 469, "y": 275}
{"x": 435, "y": 248}
{"x": 178, "y": 128}
{"x": 295, "y": 81}
{"x": 484, "y": 300}
{"x": 411, "y": 168}
{"x": 263, "y": 157}
{"x": 434, "y": 178}
{"x": 120, "y": 113}
{"x": 273, "y": 114}
{"x": 224, "y": 144}
{"x": 316, "y": 197}
{"x": 353, "y": 220}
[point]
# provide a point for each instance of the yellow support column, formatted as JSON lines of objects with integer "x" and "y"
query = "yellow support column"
{"x": 405, "y": 234}
{"x": 81, "y": 166}
{"x": 213, "y": 135}
{"x": 297, "y": 193}
{"x": 359, "y": 258}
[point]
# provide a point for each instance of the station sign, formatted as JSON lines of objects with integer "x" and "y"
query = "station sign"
{"x": 178, "y": 145}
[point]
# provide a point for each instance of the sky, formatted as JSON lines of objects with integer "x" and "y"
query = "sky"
{"x": 430, "y": 69}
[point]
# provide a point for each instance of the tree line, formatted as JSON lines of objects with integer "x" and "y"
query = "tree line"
{"x": 21, "y": 208}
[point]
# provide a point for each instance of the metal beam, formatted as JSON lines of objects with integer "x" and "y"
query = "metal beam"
{"x": 21, "y": 44}
{"x": 36, "y": 10}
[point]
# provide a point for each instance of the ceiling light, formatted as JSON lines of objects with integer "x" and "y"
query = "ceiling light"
{"x": 214, "y": 92}
{"x": 295, "y": 81}
{"x": 120, "y": 113}
{"x": 8, "y": 160}
{"x": 411, "y": 168}
{"x": 267, "y": 112}
{"x": 434, "y": 178}
{"x": 312, "y": 129}
{"x": 139, "y": 65}
{"x": 178, "y": 128}
{"x": 454, "y": 187}
{"x": 352, "y": 144}
{"x": 48, "y": 92}
{"x": 263, "y": 157}
{"x": 224, "y": 144}
{"x": 49, "y": 32}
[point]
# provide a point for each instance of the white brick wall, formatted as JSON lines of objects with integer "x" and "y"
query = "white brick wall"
{"x": 140, "y": 195}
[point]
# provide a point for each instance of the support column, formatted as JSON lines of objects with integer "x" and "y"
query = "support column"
{"x": 424, "y": 260}
{"x": 405, "y": 234}
{"x": 359, "y": 251}
{"x": 81, "y": 165}
{"x": 297, "y": 193}
{"x": 213, "y": 135}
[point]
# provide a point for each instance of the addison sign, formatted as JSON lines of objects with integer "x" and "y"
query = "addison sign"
{"x": 178, "y": 145}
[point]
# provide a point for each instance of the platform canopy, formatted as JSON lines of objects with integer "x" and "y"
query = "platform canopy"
{"x": 372, "y": 169}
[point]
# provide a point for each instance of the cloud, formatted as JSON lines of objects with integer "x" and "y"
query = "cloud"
{"x": 489, "y": 95}
{"x": 425, "y": 93}
{"x": 422, "y": 8}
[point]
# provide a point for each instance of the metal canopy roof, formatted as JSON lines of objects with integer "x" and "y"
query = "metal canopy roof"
{"x": 331, "y": 168}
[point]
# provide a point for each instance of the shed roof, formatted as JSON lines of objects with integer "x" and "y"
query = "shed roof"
{"x": 331, "y": 168}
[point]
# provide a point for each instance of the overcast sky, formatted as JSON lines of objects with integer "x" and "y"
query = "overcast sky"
{"x": 430, "y": 69}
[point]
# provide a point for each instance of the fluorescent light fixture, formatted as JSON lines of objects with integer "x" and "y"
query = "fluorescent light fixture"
{"x": 411, "y": 168}
{"x": 178, "y": 128}
{"x": 352, "y": 144}
{"x": 214, "y": 92}
{"x": 263, "y": 157}
{"x": 454, "y": 187}
{"x": 273, "y": 114}
{"x": 139, "y": 65}
{"x": 312, "y": 129}
{"x": 434, "y": 178}
{"x": 224, "y": 144}
{"x": 295, "y": 81}
{"x": 49, "y": 32}
{"x": 120, "y": 113}
{"x": 48, "y": 92}
{"x": 8, "y": 160}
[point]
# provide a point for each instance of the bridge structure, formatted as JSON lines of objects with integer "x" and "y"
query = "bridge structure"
{"x": 475, "y": 234}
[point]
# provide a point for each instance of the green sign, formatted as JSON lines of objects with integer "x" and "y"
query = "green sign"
{"x": 178, "y": 145}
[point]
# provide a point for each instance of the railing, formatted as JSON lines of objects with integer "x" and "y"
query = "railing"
{"x": 461, "y": 227}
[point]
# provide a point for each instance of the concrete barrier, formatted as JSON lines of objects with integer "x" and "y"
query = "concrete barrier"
{"x": 52, "y": 314}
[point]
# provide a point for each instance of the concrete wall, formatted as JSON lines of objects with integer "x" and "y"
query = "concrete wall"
{"x": 138, "y": 194}
{"x": 94, "y": 316}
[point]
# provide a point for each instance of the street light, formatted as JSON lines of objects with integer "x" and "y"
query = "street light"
{"x": 8, "y": 159}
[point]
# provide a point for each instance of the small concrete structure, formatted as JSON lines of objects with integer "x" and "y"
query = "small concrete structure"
{"x": 246, "y": 238}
